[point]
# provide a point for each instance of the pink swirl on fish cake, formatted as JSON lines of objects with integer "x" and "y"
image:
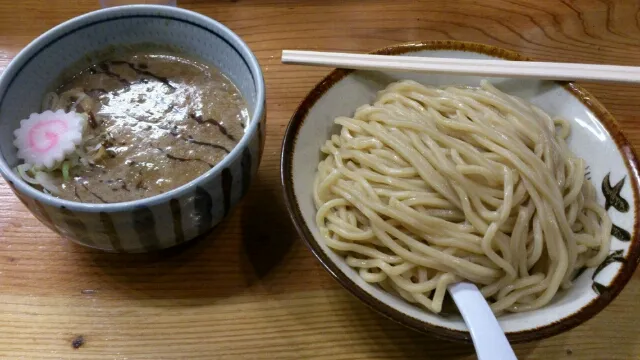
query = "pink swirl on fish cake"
{"x": 45, "y": 135}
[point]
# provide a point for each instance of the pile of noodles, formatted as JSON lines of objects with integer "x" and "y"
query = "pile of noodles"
{"x": 427, "y": 187}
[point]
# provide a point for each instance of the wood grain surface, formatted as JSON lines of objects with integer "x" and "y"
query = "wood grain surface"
{"x": 250, "y": 289}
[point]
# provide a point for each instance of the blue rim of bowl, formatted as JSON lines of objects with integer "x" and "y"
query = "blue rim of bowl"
{"x": 556, "y": 327}
{"x": 69, "y": 27}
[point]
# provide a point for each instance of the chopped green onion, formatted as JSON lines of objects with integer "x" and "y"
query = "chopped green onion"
{"x": 22, "y": 171}
{"x": 65, "y": 170}
{"x": 46, "y": 181}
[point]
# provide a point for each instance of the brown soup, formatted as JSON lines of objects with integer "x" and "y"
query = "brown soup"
{"x": 156, "y": 122}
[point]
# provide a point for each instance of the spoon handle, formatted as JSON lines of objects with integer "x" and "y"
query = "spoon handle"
{"x": 488, "y": 337}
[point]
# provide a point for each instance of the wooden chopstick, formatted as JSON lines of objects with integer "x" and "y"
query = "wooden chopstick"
{"x": 497, "y": 68}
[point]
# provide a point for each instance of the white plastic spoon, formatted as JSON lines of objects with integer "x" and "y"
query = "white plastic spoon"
{"x": 486, "y": 333}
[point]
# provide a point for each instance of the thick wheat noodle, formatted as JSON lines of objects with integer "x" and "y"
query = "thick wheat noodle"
{"x": 427, "y": 187}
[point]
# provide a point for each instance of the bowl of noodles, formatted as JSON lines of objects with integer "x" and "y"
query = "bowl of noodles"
{"x": 403, "y": 183}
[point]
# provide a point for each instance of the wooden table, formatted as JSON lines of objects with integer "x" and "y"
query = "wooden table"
{"x": 251, "y": 289}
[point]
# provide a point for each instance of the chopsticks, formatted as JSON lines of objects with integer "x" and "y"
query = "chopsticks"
{"x": 497, "y": 68}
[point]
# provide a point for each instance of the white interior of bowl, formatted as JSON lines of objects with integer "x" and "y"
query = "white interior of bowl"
{"x": 589, "y": 140}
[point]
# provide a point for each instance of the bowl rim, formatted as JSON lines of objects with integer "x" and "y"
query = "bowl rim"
{"x": 566, "y": 323}
{"x": 51, "y": 36}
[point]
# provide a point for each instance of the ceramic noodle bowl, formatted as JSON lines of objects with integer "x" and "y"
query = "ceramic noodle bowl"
{"x": 159, "y": 221}
{"x": 595, "y": 137}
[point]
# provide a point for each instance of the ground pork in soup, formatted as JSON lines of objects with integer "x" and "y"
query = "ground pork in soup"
{"x": 155, "y": 122}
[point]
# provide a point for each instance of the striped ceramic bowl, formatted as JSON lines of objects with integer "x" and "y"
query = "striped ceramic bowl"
{"x": 160, "y": 221}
